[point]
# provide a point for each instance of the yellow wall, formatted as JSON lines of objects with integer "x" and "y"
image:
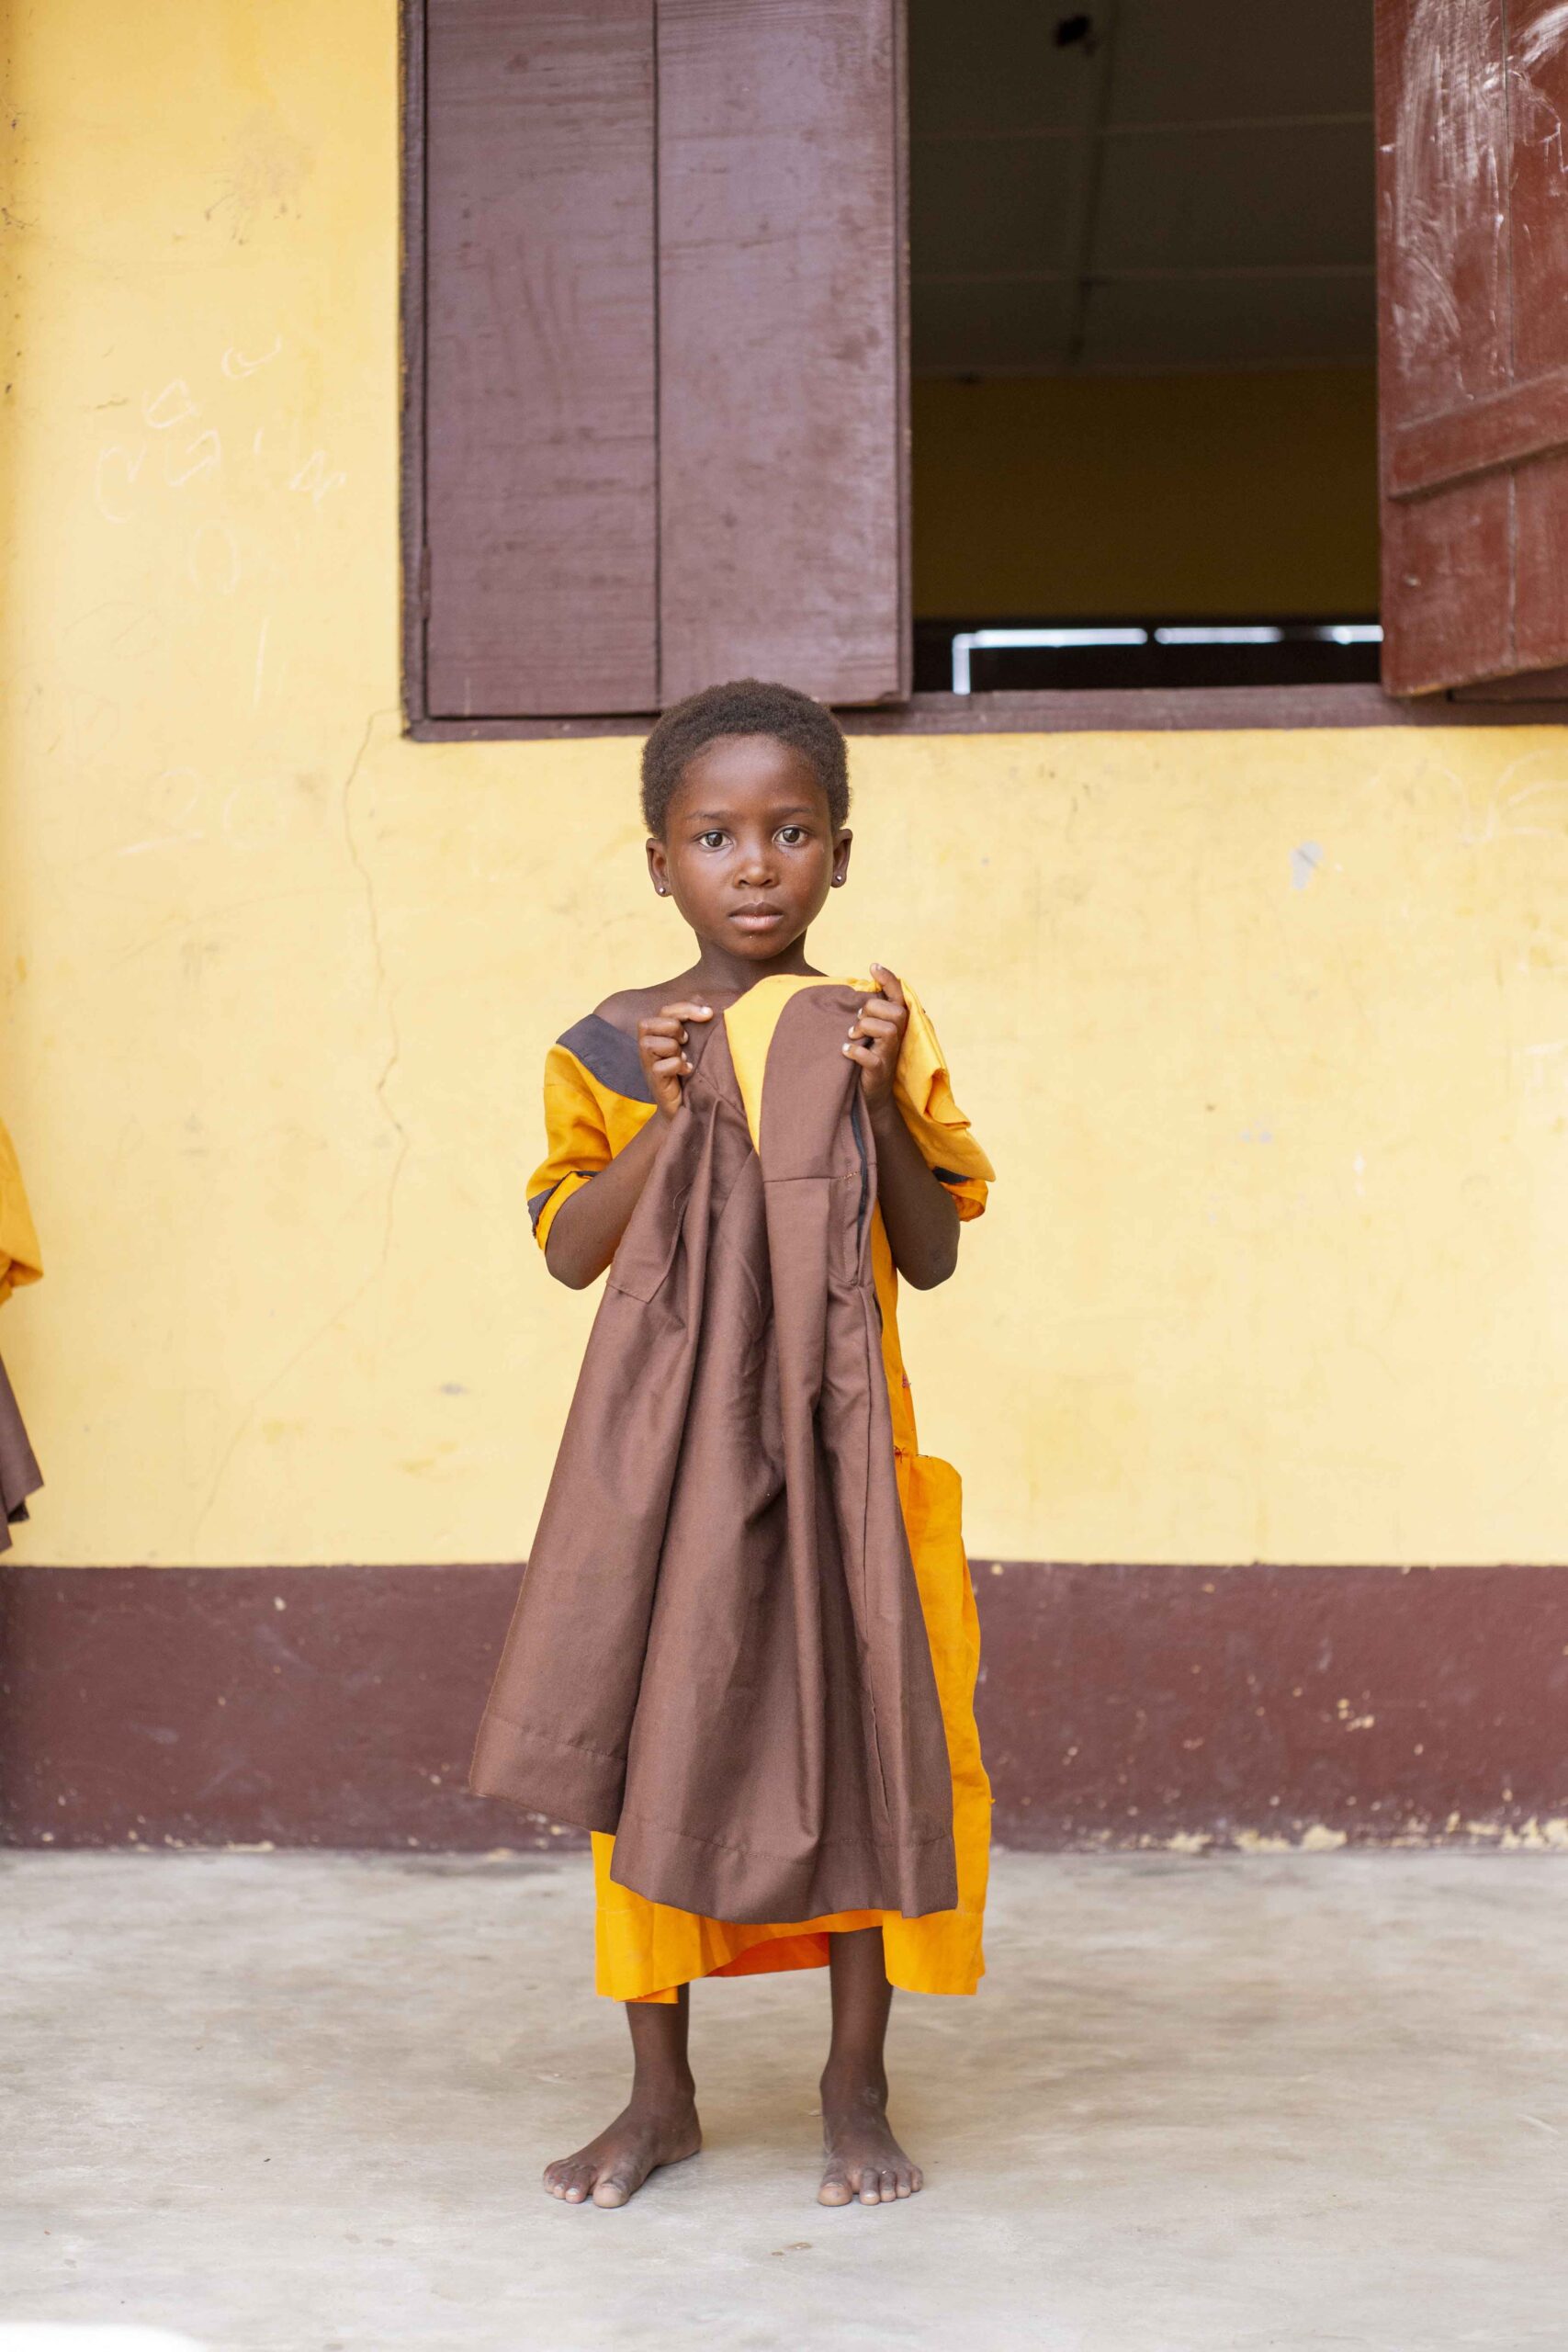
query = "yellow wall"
{"x": 1277, "y": 1266}
{"x": 1049, "y": 495}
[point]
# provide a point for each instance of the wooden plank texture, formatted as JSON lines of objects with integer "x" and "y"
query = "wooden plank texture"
{"x": 1472, "y": 252}
{"x": 1442, "y": 235}
{"x": 1539, "y": 232}
{"x": 411, "y": 338}
{"x": 540, "y": 469}
{"x": 1530, "y": 420}
{"x": 1443, "y": 330}
{"x": 1447, "y": 586}
{"x": 1537, "y": 191}
{"x": 781, "y": 272}
{"x": 1540, "y": 564}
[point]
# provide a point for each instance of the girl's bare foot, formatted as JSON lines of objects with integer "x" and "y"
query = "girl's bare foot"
{"x": 650, "y": 2130}
{"x": 863, "y": 2158}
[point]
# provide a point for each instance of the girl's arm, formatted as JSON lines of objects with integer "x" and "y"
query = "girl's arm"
{"x": 917, "y": 1212}
{"x": 587, "y": 1227}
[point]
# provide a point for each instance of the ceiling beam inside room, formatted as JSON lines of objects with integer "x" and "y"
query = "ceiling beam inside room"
{"x": 1141, "y": 186}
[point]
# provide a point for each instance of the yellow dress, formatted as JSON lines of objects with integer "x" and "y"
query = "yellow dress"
{"x": 596, "y": 1100}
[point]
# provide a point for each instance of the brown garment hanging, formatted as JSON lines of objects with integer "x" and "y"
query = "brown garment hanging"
{"x": 20, "y": 1474}
{"x": 718, "y": 1653}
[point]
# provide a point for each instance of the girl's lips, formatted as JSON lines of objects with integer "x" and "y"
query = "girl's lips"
{"x": 757, "y": 918}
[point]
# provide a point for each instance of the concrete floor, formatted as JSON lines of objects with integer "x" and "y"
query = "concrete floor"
{"x": 298, "y": 2103}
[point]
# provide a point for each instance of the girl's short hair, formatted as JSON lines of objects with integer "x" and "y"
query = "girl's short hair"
{"x": 744, "y": 706}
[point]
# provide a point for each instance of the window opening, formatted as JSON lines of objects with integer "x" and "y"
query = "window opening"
{"x": 1144, "y": 345}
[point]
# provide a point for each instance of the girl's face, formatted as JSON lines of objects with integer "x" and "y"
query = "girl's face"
{"x": 749, "y": 852}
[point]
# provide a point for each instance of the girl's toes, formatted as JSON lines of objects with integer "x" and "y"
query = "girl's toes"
{"x": 869, "y": 2194}
{"x": 889, "y": 2186}
{"x": 835, "y": 2188}
{"x": 906, "y": 2186}
{"x": 917, "y": 2180}
{"x": 565, "y": 2180}
{"x": 610, "y": 2191}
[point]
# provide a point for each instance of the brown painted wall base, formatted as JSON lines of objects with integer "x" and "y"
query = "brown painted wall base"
{"x": 1120, "y": 1706}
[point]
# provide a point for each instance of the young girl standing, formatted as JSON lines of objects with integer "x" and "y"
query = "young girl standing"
{"x": 746, "y": 797}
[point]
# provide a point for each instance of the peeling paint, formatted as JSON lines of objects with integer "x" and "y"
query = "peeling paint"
{"x": 1305, "y": 861}
{"x": 1537, "y": 1836}
{"x": 1533, "y": 1837}
{"x": 1316, "y": 1838}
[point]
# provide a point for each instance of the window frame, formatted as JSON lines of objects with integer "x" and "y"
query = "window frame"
{"x": 1530, "y": 699}
{"x": 412, "y": 587}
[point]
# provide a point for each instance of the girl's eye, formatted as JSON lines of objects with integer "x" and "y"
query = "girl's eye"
{"x": 792, "y": 835}
{"x": 711, "y": 841}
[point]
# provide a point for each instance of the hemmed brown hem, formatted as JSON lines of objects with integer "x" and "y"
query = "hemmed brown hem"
{"x": 670, "y": 1866}
{"x": 571, "y": 1785}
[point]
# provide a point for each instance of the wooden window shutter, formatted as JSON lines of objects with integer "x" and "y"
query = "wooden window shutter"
{"x": 540, "y": 463}
{"x": 1473, "y": 258}
{"x": 781, "y": 346}
{"x": 664, "y": 430}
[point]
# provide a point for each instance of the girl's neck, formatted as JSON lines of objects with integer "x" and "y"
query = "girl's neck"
{"x": 726, "y": 973}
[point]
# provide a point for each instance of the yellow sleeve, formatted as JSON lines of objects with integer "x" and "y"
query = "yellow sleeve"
{"x": 924, "y": 1093}
{"x": 20, "y": 1258}
{"x": 577, "y": 1139}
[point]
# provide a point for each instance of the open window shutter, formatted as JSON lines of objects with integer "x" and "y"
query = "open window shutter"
{"x": 665, "y": 433}
{"x": 1472, "y": 247}
{"x": 783, "y": 441}
{"x": 540, "y": 464}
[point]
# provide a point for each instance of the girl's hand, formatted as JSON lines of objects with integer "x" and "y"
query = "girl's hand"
{"x": 876, "y": 1037}
{"x": 661, "y": 1044}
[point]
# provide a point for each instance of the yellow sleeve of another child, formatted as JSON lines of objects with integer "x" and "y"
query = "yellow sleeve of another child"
{"x": 19, "y": 1260}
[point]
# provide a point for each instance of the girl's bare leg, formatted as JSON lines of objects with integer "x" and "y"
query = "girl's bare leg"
{"x": 863, "y": 2158}
{"x": 657, "y": 2126}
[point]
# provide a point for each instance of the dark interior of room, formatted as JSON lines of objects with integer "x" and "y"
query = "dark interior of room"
{"x": 1142, "y": 333}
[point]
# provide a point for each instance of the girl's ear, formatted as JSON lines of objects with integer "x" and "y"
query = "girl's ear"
{"x": 658, "y": 866}
{"x": 841, "y": 856}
